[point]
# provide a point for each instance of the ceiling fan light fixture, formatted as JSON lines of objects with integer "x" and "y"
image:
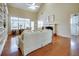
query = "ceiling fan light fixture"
{"x": 32, "y": 7}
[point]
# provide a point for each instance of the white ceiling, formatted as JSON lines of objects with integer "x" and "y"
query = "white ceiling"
{"x": 25, "y": 6}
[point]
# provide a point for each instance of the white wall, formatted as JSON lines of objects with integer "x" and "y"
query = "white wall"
{"x": 62, "y": 14}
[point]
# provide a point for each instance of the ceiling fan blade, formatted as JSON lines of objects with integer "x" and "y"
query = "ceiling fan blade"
{"x": 28, "y": 4}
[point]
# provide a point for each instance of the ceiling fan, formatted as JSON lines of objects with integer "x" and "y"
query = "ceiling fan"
{"x": 32, "y": 5}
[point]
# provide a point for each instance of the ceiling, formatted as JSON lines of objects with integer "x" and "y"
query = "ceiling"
{"x": 25, "y": 6}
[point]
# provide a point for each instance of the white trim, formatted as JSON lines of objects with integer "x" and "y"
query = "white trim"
{"x": 68, "y": 36}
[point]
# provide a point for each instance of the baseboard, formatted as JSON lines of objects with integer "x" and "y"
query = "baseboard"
{"x": 66, "y": 36}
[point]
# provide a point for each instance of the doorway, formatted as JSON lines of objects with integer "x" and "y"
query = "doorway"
{"x": 75, "y": 35}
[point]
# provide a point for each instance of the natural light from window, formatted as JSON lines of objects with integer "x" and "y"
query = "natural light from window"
{"x": 40, "y": 24}
{"x": 19, "y": 23}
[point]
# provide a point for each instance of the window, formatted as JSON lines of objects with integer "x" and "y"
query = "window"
{"x": 40, "y": 24}
{"x": 19, "y": 23}
{"x": 14, "y": 23}
{"x": 27, "y": 23}
{"x": 32, "y": 25}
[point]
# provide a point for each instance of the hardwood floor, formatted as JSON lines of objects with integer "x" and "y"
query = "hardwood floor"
{"x": 60, "y": 46}
{"x": 11, "y": 47}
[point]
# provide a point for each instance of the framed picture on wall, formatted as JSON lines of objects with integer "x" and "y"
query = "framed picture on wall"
{"x": 51, "y": 19}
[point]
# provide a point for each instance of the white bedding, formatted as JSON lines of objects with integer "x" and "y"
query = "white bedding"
{"x": 31, "y": 41}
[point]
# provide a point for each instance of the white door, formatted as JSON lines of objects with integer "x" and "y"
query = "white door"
{"x": 74, "y": 29}
{"x": 78, "y": 28}
{"x": 74, "y": 19}
{"x": 75, "y": 25}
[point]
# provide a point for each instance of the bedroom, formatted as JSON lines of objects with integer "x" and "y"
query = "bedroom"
{"x": 55, "y": 15}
